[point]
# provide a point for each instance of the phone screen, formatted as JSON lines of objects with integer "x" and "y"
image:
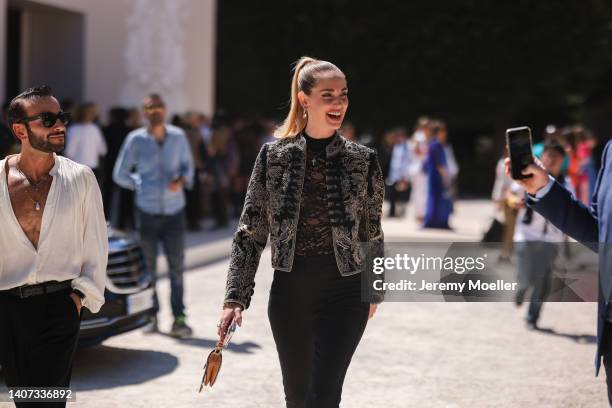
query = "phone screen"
{"x": 518, "y": 141}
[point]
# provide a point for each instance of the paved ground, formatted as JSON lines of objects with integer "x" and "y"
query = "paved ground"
{"x": 412, "y": 354}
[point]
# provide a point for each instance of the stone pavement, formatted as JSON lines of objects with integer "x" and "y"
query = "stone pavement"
{"x": 412, "y": 354}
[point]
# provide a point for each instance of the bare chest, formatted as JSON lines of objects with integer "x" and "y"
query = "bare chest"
{"x": 28, "y": 201}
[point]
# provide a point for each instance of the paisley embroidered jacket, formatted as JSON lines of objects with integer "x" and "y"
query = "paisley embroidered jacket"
{"x": 355, "y": 190}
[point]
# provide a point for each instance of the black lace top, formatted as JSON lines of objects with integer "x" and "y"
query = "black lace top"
{"x": 314, "y": 235}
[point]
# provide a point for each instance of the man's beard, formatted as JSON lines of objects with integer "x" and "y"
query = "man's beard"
{"x": 43, "y": 144}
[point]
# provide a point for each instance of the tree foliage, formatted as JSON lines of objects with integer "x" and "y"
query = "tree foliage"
{"x": 472, "y": 62}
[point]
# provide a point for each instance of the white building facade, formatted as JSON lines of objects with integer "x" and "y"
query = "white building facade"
{"x": 112, "y": 52}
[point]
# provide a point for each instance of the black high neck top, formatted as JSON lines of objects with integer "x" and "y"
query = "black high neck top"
{"x": 317, "y": 144}
{"x": 314, "y": 234}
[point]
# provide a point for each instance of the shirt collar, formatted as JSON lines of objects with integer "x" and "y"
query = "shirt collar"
{"x": 55, "y": 167}
{"x": 52, "y": 172}
{"x": 149, "y": 134}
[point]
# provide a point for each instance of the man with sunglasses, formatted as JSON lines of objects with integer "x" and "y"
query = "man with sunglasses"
{"x": 156, "y": 162}
{"x": 53, "y": 246}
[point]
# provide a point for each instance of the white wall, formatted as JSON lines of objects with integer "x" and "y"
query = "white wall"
{"x": 52, "y": 51}
{"x": 132, "y": 47}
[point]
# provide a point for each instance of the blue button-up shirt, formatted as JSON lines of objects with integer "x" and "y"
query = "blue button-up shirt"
{"x": 148, "y": 167}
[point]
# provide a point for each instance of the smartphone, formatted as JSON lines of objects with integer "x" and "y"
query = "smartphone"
{"x": 518, "y": 142}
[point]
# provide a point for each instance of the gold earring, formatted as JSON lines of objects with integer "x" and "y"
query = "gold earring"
{"x": 305, "y": 115}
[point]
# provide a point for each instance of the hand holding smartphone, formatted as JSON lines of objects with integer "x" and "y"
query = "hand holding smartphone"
{"x": 520, "y": 164}
{"x": 518, "y": 143}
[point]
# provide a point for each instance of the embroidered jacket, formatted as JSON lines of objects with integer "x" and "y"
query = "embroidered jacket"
{"x": 355, "y": 192}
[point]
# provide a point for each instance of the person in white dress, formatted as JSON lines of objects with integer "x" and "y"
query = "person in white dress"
{"x": 418, "y": 178}
{"x": 85, "y": 143}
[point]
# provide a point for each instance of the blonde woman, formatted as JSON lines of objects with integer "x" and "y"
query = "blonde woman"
{"x": 318, "y": 196}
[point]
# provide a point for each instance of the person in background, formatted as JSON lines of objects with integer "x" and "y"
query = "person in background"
{"x": 536, "y": 240}
{"x": 177, "y": 121}
{"x": 398, "y": 179}
{"x": 418, "y": 143}
{"x": 585, "y": 149}
{"x": 385, "y": 150}
{"x": 223, "y": 164}
{"x": 205, "y": 128}
{"x": 572, "y": 136}
{"x": 134, "y": 119}
{"x": 248, "y": 141}
{"x": 439, "y": 205}
{"x": 156, "y": 162}
{"x": 505, "y": 213}
{"x": 192, "y": 126}
{"x": 451, "y": 162}
{"x": 117, "y": 200}
{"x": 85, "y": 143}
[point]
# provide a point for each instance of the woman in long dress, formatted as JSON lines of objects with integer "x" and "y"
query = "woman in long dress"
{"x": 439, "y": 204}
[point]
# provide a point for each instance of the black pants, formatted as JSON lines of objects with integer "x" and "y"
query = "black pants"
{"x": 38, "y": 337}
{"x": 317, "y": 320}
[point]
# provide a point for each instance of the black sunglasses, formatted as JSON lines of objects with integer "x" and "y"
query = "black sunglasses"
{"x": 49, "y": 119}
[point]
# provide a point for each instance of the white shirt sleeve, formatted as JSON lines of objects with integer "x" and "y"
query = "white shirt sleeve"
{"x": 92, "y": 280}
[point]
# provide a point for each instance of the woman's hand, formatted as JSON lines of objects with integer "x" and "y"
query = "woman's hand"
{"x": 538, "y": 179}
{"x": 231, "y": 311}
{"x": 373, "y": 307}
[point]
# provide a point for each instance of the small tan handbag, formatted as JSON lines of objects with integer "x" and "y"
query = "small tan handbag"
{"x": 215, "y": 358}
{"x": 212, "y": 366}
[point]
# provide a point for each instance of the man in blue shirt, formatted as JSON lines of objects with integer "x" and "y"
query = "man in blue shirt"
{"x": 156, "y": 162}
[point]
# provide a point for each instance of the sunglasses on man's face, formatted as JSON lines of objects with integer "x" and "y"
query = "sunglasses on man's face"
{"x": 48, "y": 119}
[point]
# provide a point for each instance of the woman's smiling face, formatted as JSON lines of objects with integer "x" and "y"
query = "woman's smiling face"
{"x": 326, "y": 105}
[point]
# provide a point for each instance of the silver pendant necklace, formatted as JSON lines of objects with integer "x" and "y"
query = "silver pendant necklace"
{"x": 34, "y": 186}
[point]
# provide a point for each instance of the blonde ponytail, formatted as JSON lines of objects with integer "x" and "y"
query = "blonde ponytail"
{"x": 304, "y": 78}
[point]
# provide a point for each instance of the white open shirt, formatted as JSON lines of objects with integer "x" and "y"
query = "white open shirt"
{"x": 73, "y": 241}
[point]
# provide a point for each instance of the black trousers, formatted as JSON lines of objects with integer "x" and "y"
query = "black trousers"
{"x": 38, "y": 337}
{"x": 317, "y": 320}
